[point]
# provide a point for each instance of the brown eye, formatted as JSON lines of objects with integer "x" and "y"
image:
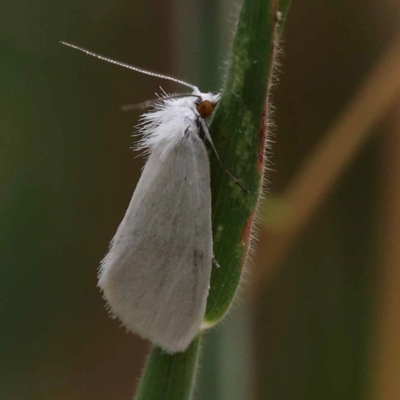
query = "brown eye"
{"x": 205, "y": 108}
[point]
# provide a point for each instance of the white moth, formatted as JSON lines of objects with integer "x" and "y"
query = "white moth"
{"x": 156, "y": 274}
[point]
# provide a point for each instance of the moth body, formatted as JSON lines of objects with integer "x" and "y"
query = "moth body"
{"x": 156, "y": 275}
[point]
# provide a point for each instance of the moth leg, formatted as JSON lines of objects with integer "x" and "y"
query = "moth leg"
{"x": 149, "y": 103}
{"x": 215, "y": 262}
{"x": 207, "y": 135}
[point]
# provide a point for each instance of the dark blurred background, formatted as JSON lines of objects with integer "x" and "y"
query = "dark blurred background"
{"x": 311, "y": 329}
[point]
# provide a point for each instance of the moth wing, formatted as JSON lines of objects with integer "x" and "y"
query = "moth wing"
{"x": 157, "y": 272}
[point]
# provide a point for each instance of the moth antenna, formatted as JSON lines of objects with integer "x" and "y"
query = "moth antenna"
{"x": 121, "y": 64}
{"x": 226, "y": 170}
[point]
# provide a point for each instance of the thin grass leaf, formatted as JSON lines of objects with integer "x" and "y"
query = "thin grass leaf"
{"x": 239, "y": 131}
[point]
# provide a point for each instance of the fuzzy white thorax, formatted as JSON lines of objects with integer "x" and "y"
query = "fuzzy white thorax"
{"x": 170, "y": 118}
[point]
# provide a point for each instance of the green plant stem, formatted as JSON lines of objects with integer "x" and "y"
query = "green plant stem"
{"x": 169, "y": 376}
{"x": 239, "y": 131}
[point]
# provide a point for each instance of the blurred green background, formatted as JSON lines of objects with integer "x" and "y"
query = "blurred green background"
{"x": 67, "y": 174}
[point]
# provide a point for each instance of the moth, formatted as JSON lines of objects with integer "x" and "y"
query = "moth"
{"x": 156, "y": 275}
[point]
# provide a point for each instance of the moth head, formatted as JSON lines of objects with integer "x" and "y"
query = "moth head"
{"x": 207, "y": 103}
